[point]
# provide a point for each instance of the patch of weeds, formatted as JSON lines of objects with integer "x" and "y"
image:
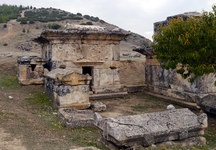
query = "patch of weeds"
{"x": 152, "y": 98}
{"x": 87, "y": 136}
{"x": 8, "y": 81}
{"x": 40, "y": 104}
{"x": 5, "y": 116}
{"x": 40, "y": 100}
{"x": 210, "y": 135}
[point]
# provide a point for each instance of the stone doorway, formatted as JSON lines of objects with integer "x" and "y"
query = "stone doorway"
{"x": 88, "y": 70}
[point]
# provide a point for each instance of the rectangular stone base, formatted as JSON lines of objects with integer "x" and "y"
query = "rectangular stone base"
{"x": 76, "y": 118}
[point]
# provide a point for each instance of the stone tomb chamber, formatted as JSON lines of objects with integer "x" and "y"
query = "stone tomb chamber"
{"x": 93, "y": 51}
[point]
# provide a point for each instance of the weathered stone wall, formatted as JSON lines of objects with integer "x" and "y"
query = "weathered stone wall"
{"x": 90, "y": 50}
{"x": 169, "y": 83}
{"x": 132, "y": 72}
{"x": 106, "y": 80}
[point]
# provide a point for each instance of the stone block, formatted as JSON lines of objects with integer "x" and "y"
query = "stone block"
{"x": 76, "y": 97}
{"x": 74, "y": 79}
{"x": 76, "y": 118}
{"x": 150, "y": 128}
{"x": 208, "y": 104}
{"x": 98, "y": 106}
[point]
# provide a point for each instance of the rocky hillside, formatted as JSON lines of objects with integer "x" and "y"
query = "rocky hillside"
{"x": 19, "y": 29}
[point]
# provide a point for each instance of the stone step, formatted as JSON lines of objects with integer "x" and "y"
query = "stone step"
{"x": 108, "y": 95}
{"x": 176, "y": 101}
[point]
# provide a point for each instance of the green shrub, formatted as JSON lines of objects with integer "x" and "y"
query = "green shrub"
{"x": 79, "y": 14}
{"x": 8, "y": 12}
{"x": 87, "y": 23}
{"x": 54, "y": 26}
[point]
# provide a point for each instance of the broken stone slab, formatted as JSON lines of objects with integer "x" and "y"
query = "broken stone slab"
{"x": 76, "y": 118}
{"x": 151, "y": 128}
{"x": 98, "y": 106}
{"x": 208, "y": 104}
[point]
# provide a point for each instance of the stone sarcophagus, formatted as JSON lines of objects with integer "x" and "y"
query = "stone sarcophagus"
{"x": 68, "y": 89}
{"x": 152, "y": 128}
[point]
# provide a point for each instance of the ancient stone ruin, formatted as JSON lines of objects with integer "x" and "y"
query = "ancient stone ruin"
{"x": 68, "y": 88}
{"x": 30, "y": 70}
{"x": 85, "y": 51}
{"x": 81, "y": 61}
{"x": 153, "y": 128}
{"x": 169, "y": 83}
{"x": 174, "y": 126}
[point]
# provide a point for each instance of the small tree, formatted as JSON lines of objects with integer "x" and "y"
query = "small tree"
{"x": 188, "y": 45}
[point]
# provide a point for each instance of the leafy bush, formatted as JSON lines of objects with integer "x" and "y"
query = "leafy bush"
{"x": 54, "y": 26}
{"x": 8, "y": 12}
{"x": 188, "y": 44}
{"x": 95, "y": 19}
{"x": 79, "y": 14}
{"x": 87, "y": 23}
{"x": 101, "y": 21}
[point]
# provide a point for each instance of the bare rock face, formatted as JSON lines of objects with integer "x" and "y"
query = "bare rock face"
{"x": 152, "y": 128}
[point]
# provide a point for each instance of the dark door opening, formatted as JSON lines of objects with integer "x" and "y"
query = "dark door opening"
{"x": 88, "y": 70}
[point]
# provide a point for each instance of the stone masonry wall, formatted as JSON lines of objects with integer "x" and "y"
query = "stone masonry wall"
{"x": 169, "y": 83}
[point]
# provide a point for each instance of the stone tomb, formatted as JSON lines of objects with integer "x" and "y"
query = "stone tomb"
{"x": 152, "y": 128}
{"x": 87, "y": 50}
{"x": 68, "y": 88}
{"x": 30, "y": 70}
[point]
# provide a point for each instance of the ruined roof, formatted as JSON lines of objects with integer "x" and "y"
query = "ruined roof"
{"x": 147, "y": 51}
{"x": 93, "y": 33}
